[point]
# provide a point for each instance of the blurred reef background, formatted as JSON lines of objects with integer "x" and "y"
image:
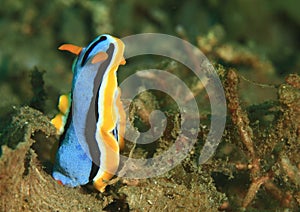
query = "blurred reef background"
{"x": 255, "y": 48}
{"x": 31, "y": 32}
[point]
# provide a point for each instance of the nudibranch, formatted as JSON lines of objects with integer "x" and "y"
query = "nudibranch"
{"x": 91, "y": 120}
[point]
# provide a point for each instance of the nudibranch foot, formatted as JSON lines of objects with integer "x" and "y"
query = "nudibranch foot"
{"x": 72, "y": 166}
{"x": 102, "y": 181}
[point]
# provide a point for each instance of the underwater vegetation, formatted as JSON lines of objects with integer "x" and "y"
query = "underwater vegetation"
{"x": 254, "y": 48}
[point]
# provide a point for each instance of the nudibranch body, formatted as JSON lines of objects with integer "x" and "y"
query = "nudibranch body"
{"x": 92, "y": 133}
